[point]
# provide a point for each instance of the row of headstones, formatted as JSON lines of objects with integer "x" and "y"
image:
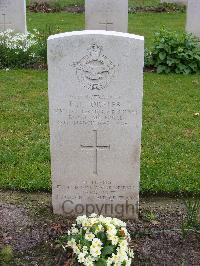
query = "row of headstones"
{"x": 99, "y": 14}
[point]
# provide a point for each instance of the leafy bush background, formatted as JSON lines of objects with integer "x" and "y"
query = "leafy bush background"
{"x": 171, "y": 52}
{"x": 174, "y": 53}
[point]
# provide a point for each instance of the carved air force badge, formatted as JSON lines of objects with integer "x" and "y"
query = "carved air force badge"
{"x": 95, "y": 70}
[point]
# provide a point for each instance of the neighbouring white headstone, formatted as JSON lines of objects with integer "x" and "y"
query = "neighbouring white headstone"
{"x": 13, "y": 15}
{"x": 193, "y": 17}
{"x": 95, "y": 103}
{"x": 111, "y": 15}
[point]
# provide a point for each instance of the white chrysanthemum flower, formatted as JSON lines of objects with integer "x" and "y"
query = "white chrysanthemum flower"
{"x": 118, "y": 222}
{"x": 76, "y": 250}
{"x": 89, "y": 261}
{"x": 104, "y": 220}
{"x": 122, "y": 255}
{"x": 99, "y": 228}
{"x": 71, "y": 243}
{"x": 93, "y": 215}
{"x": 85, "y": 249}
{"x": 93, "y": 221}
{"x": 109, "y": 261}
{"x": 111, "y": 228}
{"x": 95, "y": 248}
{"x": 123, "y": 244}
{"x": 95, "y": 251}
{"x": 115, "y": 259}
{"x": 75, "y": 231}
{"x": 86, "y": 224}
{"x": 97, "y": 242}
{"x": 114, "y": 240}
{"x": 80, "y": 219}
{"x": 128, "y": 262}
{"x": 130, "y": 253}
{"x": 111, "y": 235}
{"x": 81, "y": 257}
{"x": 89, "y": 236}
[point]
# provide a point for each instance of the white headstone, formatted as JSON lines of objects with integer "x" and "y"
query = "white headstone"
{"x": 13, "y": 15}
{"x": 193, "y": 17}
{"x": 95, "y": 102}
{"x": 111, "y": 15}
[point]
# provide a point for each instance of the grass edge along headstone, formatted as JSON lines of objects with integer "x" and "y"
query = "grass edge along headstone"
{"x": 95, "y": 88}
{"x": 13, "y": 15}
{"x": 111, "y": 15}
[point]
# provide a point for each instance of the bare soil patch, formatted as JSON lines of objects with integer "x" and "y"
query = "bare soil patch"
{"x": 29, "y": 228}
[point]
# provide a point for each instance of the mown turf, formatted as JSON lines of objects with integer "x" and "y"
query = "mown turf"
{"x": 145, "y": 24}
{"x": 132, "y": 3}
{"x": 25, "y": 139}
{"x": 170, "y": 142}
{"x": 170, "y": 158}
{"x": 170, "y": 126}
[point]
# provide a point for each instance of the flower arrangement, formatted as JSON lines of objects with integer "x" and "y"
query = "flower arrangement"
{"x": 99, "y": 241}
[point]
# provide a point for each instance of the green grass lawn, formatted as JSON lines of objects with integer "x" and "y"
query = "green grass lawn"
{"x": 141, "y": 23}
{"x": 169, "y": 142}
{"x": 145, "y": 24}
{"x": 170, "y": 128}
{"x": 132, "y": 3}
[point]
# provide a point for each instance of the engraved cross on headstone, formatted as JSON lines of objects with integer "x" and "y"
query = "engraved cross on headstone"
{"x": 106, "y": 23}
{"x": 4, "y": 22}
{"x": 106, "y": 18}
{"x": 96, "y": 148}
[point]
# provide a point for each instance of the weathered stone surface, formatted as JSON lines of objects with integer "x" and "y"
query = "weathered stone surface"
{"x": 13, "y": 15}
{"x": 95, "y": 102}
{"x": 111, "y": 15}
{"x": 193, "y": 17}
